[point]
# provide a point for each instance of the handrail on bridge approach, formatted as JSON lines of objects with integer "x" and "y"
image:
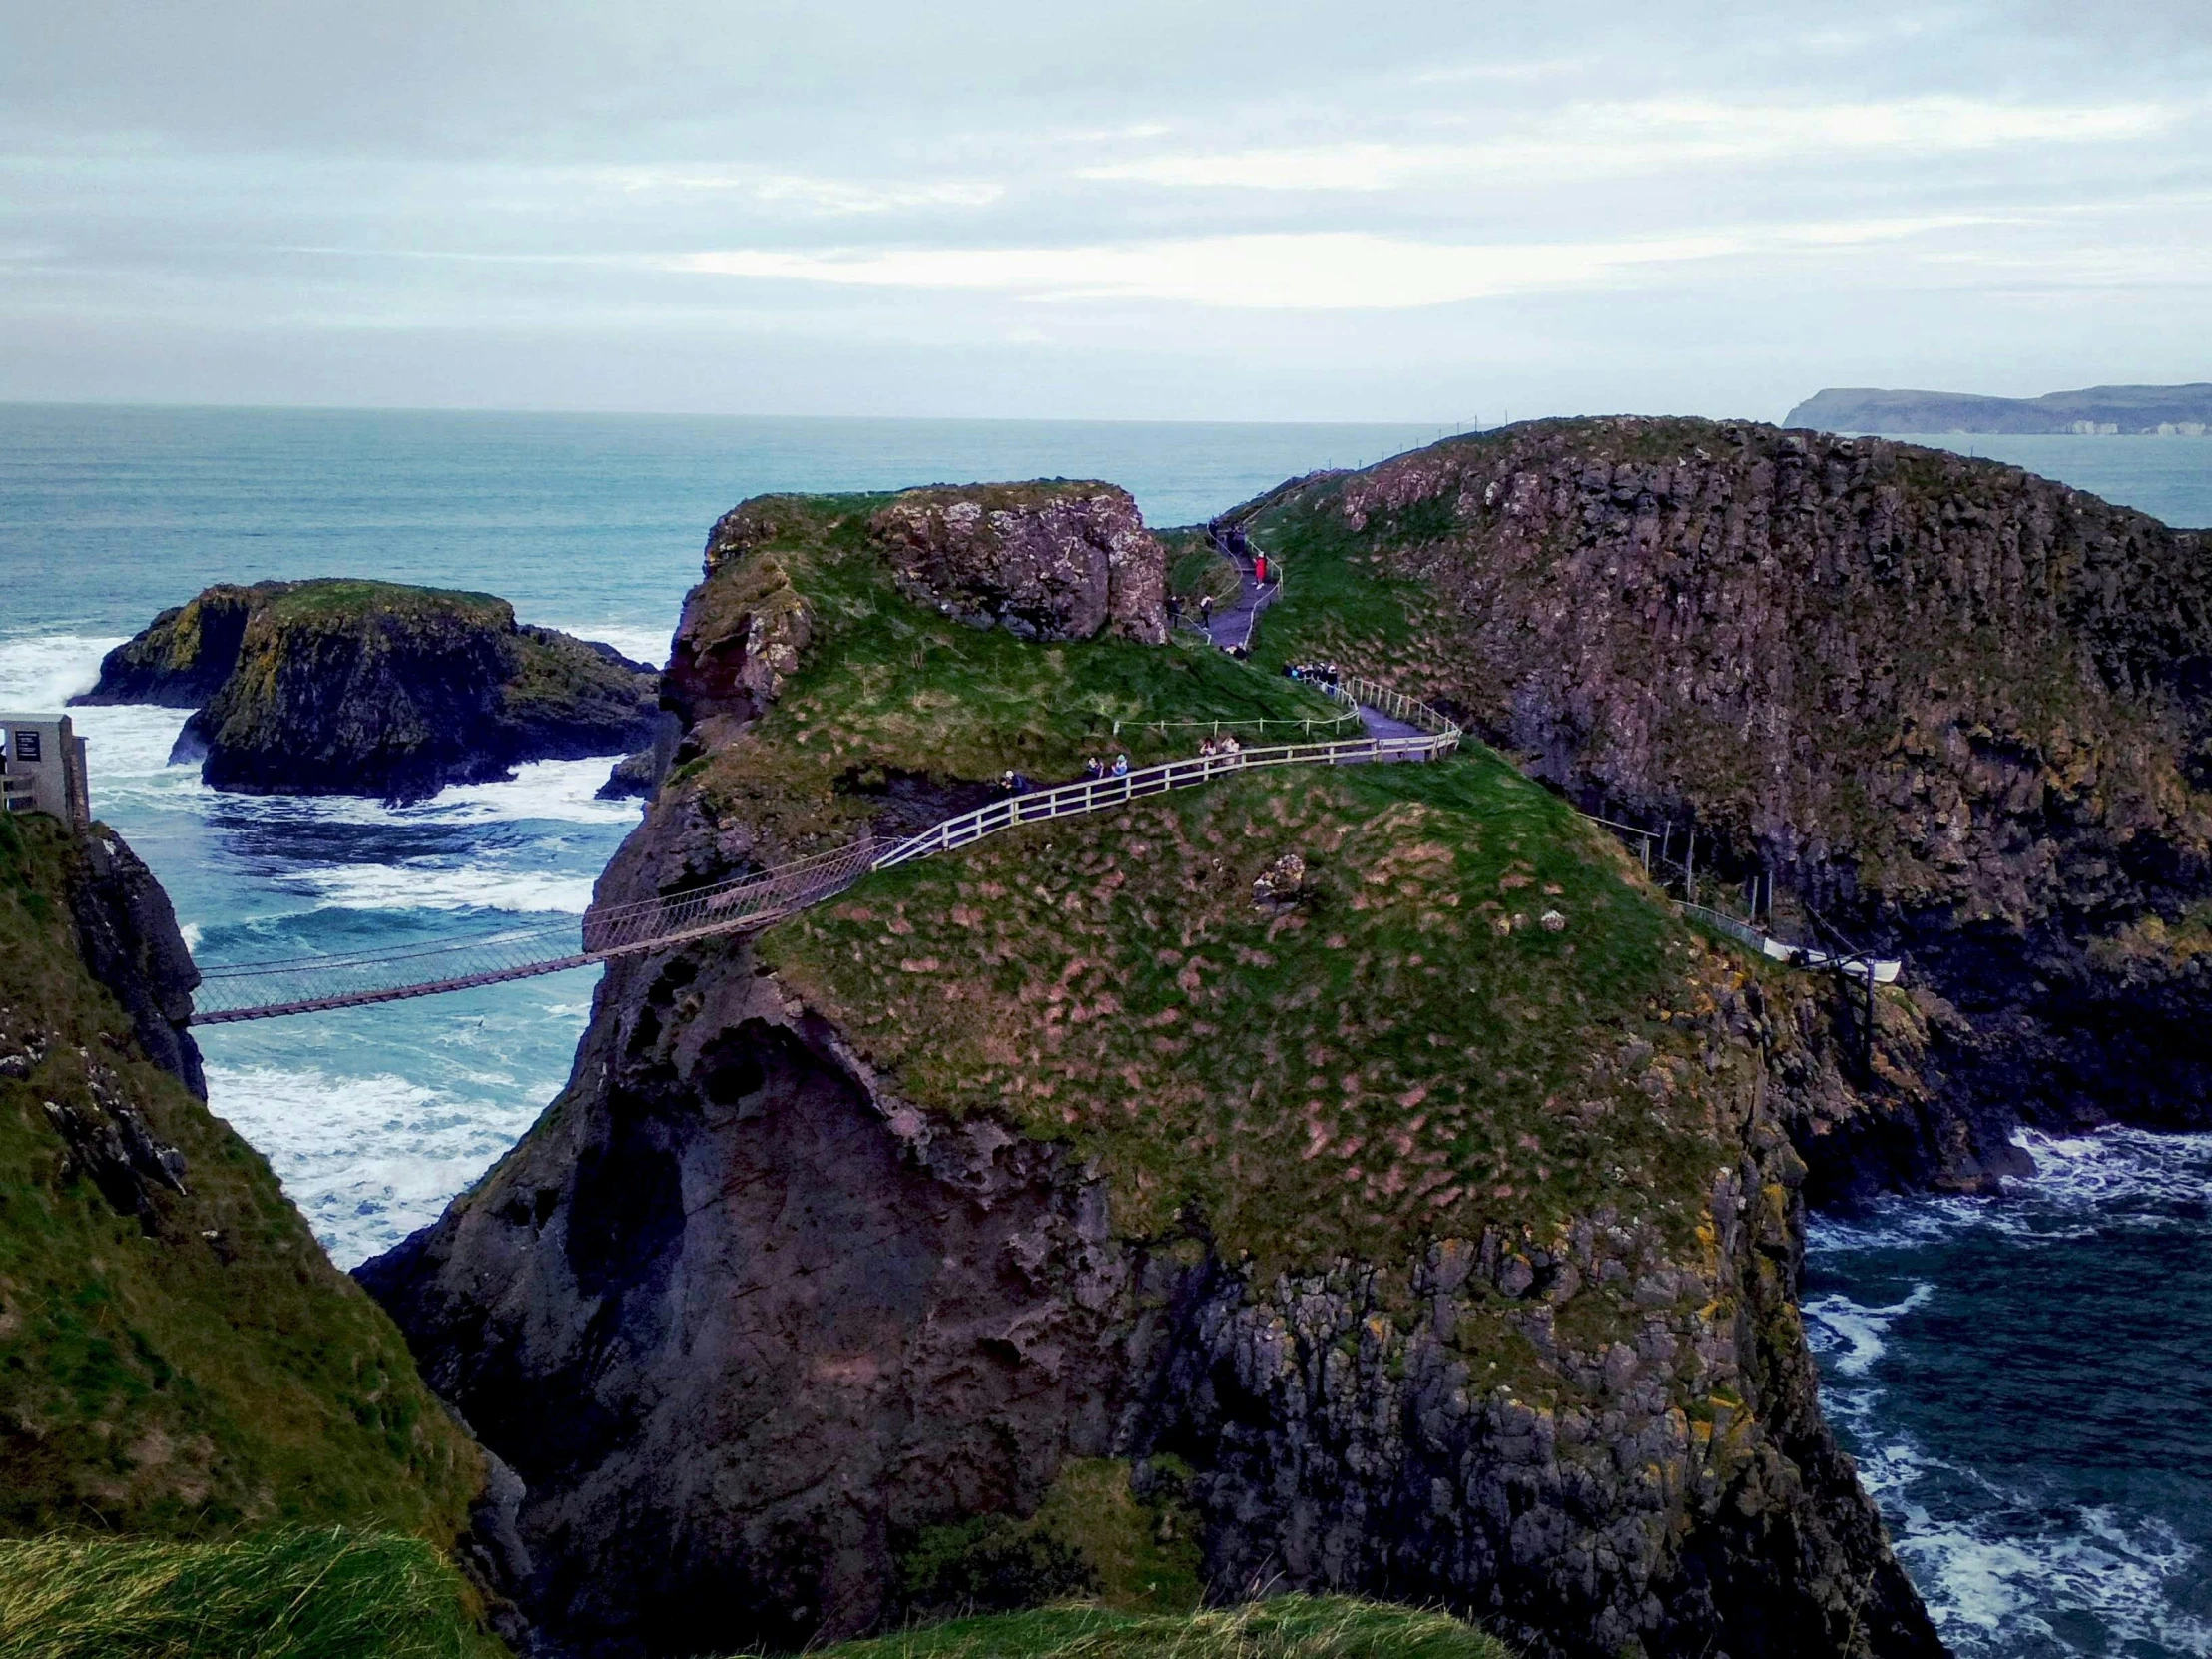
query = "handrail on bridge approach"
{"x": 311, "y": 984}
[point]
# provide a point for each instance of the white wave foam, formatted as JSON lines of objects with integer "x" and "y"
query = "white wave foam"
{"x": 557, "y": 792}
{"x": 39, "y": 671}
{"x": 562, "y": 792}
{"x": 428, "y": 885}
{"x": 2065, "y": 1581}
{"x": 369, "y": 1159}
{"x": 1853, "y": 1333}
{"x": 2116, "y": 1176}
{"x": 2119, "y": 1168}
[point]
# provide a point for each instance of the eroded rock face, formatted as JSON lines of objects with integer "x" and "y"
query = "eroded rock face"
{"x": 1959, "y": 709}
{"x": 183, "y": 657}
{"x": 742, "y": 1320}
{"x": 127, "y": 930}
{"x": 1045, "y": 561}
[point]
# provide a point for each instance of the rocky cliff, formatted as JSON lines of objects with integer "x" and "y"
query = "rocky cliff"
{"x": 180, "y": 1357}
{"x": 1363, "y": 1162}
{"x": 1952, "y": 708}
{"x": 369, "y": 688}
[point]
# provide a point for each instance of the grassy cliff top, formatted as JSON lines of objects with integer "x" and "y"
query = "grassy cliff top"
{"x": 1406, "y": 1049}
{"x": 341, "y": 597}
{"x": 884, "y": 685}
{"x": 205, "y": 1370}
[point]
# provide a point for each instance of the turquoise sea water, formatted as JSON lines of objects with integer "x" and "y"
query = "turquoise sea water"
{"x": 2045, "y": 1479}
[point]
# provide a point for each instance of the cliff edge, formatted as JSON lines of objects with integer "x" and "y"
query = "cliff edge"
{"x": 180, "y": 1358}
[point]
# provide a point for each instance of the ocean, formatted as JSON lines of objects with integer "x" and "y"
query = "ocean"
{"x": 2021, "y": 1379}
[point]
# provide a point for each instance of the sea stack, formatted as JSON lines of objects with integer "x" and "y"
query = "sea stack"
{"x": 343, "y": 687}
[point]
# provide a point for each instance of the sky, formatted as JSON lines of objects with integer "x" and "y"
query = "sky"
{"x": 1296, "y": 210}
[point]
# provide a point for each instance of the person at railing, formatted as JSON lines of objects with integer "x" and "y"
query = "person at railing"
{"x": 1015, "y": 782}
{"x": 1094, "y": 767}
{"x": 1121, "y": 766}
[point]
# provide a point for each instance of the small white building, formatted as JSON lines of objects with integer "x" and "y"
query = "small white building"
{"x": 42, "y": 767}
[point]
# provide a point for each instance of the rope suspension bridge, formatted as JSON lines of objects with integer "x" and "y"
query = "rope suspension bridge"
{"x": 1409, "y": 730}
{"x": 1397, "y": 728}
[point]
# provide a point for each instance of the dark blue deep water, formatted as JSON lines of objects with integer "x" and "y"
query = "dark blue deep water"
{"x": 2022, "y": 1381}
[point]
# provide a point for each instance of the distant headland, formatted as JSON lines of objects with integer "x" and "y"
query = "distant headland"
{"x": 2094, "y": 410}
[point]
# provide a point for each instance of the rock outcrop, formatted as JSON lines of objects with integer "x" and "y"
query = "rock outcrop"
{"x": 1421, "y": 1249}
{"x": 185, "y": 655}
{"x": 369, "y": 688}
{"x": 1044, "y": 561}
{"x": 128, "y": 935}
{"x": 1956, "y": 710}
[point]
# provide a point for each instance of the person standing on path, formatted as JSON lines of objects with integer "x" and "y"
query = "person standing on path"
{"x": 1205, "y": 609}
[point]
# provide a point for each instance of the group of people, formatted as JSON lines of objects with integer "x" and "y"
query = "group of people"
{"x": 1226, "y": 744}
{"x": 1018, "y": 783}
{"x": 1320, "y": 674}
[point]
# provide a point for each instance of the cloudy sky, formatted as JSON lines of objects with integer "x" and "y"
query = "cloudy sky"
{"x": 1172, "y": 208}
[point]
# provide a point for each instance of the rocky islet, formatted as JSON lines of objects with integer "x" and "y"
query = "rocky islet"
{"x": 344, "y": 687}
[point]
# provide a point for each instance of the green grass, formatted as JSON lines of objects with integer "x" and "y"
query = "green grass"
{"x": 1091, "y": 1536}
{"x": 1194, "y": 569}
{"x": 1410, "y": 1053}
{"x": 1287, "y": 1627}
{"x": 211, "y": 1372}
{"x": 888, "y": 685}
{"x": 1407, "y": 1053}
{"x": 337, "y": 596}
{"x": 323, "y": 1595}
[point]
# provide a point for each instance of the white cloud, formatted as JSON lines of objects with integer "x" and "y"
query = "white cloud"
{"x": 1597, "y": 140}
{"x": 1321, "y": 271}
{"x": 807, "y": 193}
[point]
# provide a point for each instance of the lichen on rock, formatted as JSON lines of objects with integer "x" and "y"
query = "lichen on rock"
{"x": 1045, "y": 561}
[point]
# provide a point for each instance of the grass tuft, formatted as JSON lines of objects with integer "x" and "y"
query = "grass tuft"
{"x": 1291, "y": 1626}
{"x": 288, "y": 1594}
{"x": 1285, "y": 1627}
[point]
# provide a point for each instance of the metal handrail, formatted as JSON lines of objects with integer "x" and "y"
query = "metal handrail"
{"x": 1880, "y": 970}
{"x": 1098, "y": 794}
